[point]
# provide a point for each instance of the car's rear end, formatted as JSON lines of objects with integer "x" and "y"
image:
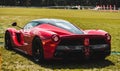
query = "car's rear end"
{"x": 83, "y": 46}
{"x": 68, "y": 41}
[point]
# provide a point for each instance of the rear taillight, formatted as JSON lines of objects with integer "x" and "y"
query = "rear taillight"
{"x": 86, "y": 42}
{"x": 108, "y": 37}
{"x": 55, "y": 38}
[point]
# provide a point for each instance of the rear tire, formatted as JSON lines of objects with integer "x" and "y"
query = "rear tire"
{"x": 37, "y": 50}
{"x": 8, "y": 44}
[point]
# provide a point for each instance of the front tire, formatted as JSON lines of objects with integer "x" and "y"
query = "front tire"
{"x": 8, "y": 44}
{"x": 37, "y": 50}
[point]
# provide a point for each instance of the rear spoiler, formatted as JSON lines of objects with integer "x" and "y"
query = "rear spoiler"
{"x": 83, "y": 36}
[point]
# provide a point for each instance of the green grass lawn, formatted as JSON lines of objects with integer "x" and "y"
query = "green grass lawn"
{"x": 85, "y": 19}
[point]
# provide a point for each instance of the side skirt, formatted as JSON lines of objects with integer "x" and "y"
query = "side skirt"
{"x": 20, "y": 50}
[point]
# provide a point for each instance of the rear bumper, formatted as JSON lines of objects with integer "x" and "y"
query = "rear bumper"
{"x": 93, "y": 51}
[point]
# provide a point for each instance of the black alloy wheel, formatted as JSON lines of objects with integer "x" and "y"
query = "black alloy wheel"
{"x": 37, "y": 50}
{"x": 8, "y": 44}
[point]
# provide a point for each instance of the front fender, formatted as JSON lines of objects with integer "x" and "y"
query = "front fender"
{"x": 12, "y": 32}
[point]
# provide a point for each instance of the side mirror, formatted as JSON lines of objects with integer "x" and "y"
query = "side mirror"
{"x": 14, "y": 24}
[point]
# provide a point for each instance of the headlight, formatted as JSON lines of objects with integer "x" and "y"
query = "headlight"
{"x": 55, "y": 38}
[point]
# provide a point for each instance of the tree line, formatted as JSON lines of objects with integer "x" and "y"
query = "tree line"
{"x": 40, "y": 3}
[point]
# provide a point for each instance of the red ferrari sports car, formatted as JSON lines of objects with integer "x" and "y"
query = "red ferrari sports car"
{"x": 58, "y": 39}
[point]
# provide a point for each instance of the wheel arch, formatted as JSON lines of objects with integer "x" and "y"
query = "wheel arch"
{"x": 41, "y": 45}
{"x": 11, "y": 31}
{"x": 7, "y": 40}
{"x": 36, "y": 36}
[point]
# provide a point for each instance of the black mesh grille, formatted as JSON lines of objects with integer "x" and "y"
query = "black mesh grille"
{"x": 73, "y": 42}
{"x": 94, "y": 41}
{"x": 80, "y": 41}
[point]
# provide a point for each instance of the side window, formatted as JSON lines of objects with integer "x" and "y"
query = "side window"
{"x": 30, "y": 25}
{"x": 27, "y": 27}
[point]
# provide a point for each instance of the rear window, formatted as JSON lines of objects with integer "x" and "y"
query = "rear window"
{"x": 68, "y": 26}
{"x": 61, "y": 24}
